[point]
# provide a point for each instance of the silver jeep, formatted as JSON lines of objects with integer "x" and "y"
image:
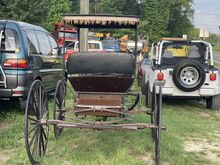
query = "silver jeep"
{"x": 187, "y": 67}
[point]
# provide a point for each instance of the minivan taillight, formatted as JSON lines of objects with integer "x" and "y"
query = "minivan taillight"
{"x": 15, "y": 63}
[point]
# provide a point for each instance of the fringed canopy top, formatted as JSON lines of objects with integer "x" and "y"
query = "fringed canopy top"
{"x": 101, "y": 21}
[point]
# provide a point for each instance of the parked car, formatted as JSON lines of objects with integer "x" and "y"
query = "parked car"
{"x": 93, "y": 46}
{"x": 111, "y": 45}
{"x": 187, "y": 67}
{"x": 27, "y": 53}
{"x": 143, "y": 66}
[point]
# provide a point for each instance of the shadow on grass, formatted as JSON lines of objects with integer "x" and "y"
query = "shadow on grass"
{"x": 185, "y": 102}
{"x": 8, "y": 109}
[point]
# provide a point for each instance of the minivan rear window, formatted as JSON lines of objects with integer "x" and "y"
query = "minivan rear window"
{"x": 11, "y": 41}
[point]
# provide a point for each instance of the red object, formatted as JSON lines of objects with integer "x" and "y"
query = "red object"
{"x": 18, "y": 92}
{"x": 15, "y": 63}
{"x": 212, "y": 76}
{"x": 160, "y": 76}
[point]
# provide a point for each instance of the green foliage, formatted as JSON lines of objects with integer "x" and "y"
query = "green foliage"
{"x": 31, "y": 11}
{"x": 171, "y": 18}
{"x": 159, "y": 17}
{"x": 57, "y": 8}
{"x": 155, "y": 18}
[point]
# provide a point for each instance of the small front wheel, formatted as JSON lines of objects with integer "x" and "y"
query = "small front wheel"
{"x": 59, "y": 106}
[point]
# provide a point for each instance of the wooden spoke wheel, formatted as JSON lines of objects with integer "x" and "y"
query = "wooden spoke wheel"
{"x": 59, "y": 106}
{"x": 36, "y": 130}
{"x": 156, "y": 107}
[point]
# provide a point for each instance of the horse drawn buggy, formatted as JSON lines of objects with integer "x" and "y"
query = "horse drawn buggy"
{"x": 102, "y": 82}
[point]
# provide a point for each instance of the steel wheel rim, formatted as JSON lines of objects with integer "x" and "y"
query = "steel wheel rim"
{"x": 189, "y": 76}
{"x": 36, "y": 134}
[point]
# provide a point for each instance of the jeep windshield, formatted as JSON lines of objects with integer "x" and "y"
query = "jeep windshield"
{"x": 9, "y": 41}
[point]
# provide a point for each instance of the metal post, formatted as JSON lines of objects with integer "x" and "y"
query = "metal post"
{"x": 84, "y": 9}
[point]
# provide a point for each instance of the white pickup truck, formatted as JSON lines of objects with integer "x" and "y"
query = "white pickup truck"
{"x": 187, "y": 67}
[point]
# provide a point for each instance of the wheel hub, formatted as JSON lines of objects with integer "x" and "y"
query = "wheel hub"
{"x": 189, "y": 76}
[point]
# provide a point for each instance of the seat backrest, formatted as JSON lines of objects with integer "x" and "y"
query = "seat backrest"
{"x": 101, "y": 63}
{"x": 168, "y": 54}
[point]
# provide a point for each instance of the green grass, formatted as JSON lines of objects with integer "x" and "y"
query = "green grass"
{"x": 216, "y": 48}
{"x": 183, "y": 119}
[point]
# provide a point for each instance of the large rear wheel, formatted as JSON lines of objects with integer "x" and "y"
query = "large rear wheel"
{"x": 36, "y": 130}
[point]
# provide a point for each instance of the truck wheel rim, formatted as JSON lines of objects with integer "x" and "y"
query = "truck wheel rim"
{"x": 189, "y": 76}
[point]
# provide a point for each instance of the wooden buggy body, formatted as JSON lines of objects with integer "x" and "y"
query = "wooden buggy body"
{"x": 101, "y": 81}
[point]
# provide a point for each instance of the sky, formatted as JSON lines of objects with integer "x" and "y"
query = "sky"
{"x": 207, "y": 15}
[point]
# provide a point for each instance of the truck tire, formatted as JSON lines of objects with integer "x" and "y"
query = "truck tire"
{"x": 213, "y": 103}
{"x": 189, "y": 75}
{"x": 148, "y": 96}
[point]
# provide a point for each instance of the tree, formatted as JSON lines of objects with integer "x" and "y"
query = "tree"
{"x": 171, "y": 18}
{"x": 180, "y": 17}
{"x": 32, "y": 11}
{"x": 155, "y": 18}
{"x": 56, "y": 9}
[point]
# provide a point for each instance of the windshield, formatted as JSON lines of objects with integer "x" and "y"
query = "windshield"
{"x": 192, "y": 50}
{"x": 10, "y": 41}
{"x": 68, "y": 35}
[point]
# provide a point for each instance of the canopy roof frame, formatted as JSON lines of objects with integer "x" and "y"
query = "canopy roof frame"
{"x": 101, "y": 21}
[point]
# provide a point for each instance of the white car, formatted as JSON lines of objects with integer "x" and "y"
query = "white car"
{"x": 187, "y": 67}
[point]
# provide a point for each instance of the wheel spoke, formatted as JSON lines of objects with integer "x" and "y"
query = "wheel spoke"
{"x": 33, "y": 137}
{"x": 34, "y": 127}
{"x": 34, "y": 150}
{"x": 29, "y": 118}
{"x": 45, "y": 136}
{"x": 42, "y": 142}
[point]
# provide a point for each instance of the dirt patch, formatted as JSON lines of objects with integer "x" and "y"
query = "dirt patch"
{"x": 209, "y": 150}
{"x": 4, "y": 125}
{"x": 4, "y": 155}
{"x": 204, "y": 114}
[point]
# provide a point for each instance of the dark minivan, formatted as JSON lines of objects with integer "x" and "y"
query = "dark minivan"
{"x": 27, "y": 53}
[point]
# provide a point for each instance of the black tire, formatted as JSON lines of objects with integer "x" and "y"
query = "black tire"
{"x": 189, "y": 75}
{"x": 148, "y": 96}
{"x": 35, "y": 133}
{"x": 59, "y": 106}
{"x": 213, "y": 103}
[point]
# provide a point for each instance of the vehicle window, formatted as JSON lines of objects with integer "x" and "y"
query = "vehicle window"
{"x": 32, "y": 42}
{"x": 11, "y": 41}
{"x": 94, "y": 46}
{"x": 44, "y": 43}
{"x": 53, "y": 43}
{"x": 68, "y": 35}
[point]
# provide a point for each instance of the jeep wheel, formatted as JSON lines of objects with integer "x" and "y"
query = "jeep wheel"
{"x": 189, "y": 75}
{"x": 213, "y": 103}
{"x": 148, "y": 96}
